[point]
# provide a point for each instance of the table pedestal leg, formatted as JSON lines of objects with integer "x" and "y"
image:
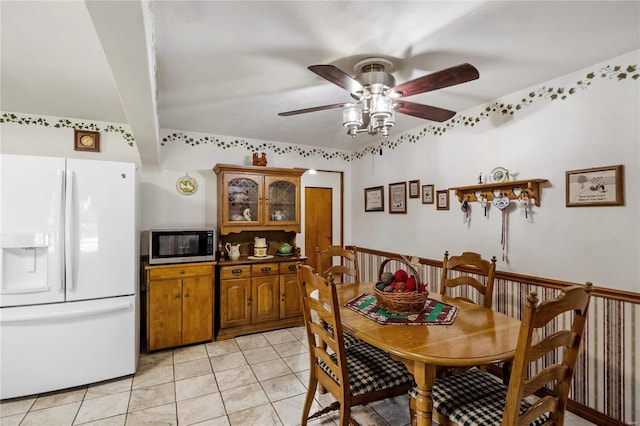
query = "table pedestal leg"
{"x": 425, "y": 376}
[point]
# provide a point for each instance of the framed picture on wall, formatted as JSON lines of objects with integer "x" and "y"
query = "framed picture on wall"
{"x": 414, "y": 189}
{"x": 442, "y": 197}
{"x": 374, "y": 199}
{"x": 427, "y": 194}
{"x": 398, "y": 197}
{"x": 599, "y": 186}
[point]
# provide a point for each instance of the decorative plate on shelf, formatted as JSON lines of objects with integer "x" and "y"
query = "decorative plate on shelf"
{"x": 499, "y": 174}
{"x": 186, "y": 185}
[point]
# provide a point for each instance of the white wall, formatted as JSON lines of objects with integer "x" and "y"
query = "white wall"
{"x": 595, "y": 127}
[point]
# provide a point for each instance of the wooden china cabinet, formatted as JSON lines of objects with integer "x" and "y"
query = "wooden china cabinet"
{"x": 257, "y": 294}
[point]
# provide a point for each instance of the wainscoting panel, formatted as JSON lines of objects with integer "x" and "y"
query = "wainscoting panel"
{"x": 607, "y": 377}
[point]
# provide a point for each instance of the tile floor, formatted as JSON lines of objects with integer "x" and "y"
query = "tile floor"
{"x": 256, "y": 380}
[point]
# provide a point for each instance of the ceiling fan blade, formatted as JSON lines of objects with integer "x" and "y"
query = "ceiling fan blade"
{"x": 312, "y": 109}
{"x": 424, "y": 111}
{"x": 337, "y": 76}
{"x": 437, "y": 80}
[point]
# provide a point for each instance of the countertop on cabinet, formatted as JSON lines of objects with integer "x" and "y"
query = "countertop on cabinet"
{"x": 244, "y": 260}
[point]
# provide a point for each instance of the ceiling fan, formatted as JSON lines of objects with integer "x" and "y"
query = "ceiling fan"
{"x": 377, "y": 97}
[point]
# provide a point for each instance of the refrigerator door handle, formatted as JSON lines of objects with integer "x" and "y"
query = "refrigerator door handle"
{"x": 69, "y": 228}
{"x": 61, "y": 224}
{"x": 73, "y": 313}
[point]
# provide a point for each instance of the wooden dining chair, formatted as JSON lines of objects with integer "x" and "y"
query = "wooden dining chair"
{"x": 347, "y": 265}
{"x": 478, "y": 265}
{"x": 355, "y": 375}
{"x": 478, "y": 398}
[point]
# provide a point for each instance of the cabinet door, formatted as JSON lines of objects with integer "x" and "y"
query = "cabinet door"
{"x": 265, "y": 294}
{"x": 283, "y": 200}
{"x": 235, "y": 302}
{"x": 197, "y": 309}
{"x": 164, "y": 318}
{"x": 290, "y": 297}
{"x": 242, "y": 200}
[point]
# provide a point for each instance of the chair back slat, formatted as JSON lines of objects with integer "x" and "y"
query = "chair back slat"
{"x": 478, "y": 266}
{"x": 338, "y": 261}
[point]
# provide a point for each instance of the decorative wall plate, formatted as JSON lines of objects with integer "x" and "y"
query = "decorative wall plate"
{"x": 499, "y": 174}
{"x": 186, "y": 185}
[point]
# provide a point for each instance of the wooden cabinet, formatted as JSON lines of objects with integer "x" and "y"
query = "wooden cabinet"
{"x": 258, "y": 297}
{"x": 258, "y": 198}
{"x": 179, "y": 304}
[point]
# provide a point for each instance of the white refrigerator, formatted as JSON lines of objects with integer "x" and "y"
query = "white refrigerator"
{"x": 69, "y": 273}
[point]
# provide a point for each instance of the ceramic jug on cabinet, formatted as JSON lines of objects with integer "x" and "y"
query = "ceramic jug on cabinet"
{"x": 233, "y": 251}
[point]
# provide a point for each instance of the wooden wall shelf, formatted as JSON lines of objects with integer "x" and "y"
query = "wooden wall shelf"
{"x": 510, "y": 189}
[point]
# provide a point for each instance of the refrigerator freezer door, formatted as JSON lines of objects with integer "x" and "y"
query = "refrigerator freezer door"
{"x": 101, "y": 228}
{"x": 51, "y": 347}
{"x": 31, "y": 230}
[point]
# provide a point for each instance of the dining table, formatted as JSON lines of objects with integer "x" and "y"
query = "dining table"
{"x": 475, "y": 337}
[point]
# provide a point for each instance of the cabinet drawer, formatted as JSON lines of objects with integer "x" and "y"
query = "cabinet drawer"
{"x": 264, "y": 269}
{"x": 237, "y": 271}
{"x": 180, "y": 271}
{"x": 287, "y": 268}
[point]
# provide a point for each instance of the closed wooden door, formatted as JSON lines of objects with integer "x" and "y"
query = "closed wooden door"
{"x": 265, "y": 303}
{"x": 318, "y": 221}
{"x": 197, "y": 312}
{"x": 290, "y": 297}
{"x": 235, "y": 302}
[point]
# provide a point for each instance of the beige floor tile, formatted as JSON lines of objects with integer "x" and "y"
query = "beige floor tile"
{"x": 152, "y": 396}
{"x": 290, "y": 348}
{"x": 155, "y": 359}
{"x": 227, "y": 361}
{"x": 290, "y": 409}
{"x": 283, "y": 387}
{"x": 109, "y": 387}
{"x": 270, "y": 369}
{"x": 255, "y": 356}
{"x": 109, "y": 421}
{"x": 105, "y": 406}
{"x": 160, "y": 415}
{"x": 9, "y": 407}
{"x": 189, "y": 353}
{"x": 394, "y": 411}
{"x": 299, "y": 333}
{"x": 195, "y": 386}
{"x": 243, "y": 397}
{"x": 59, "y": 415}
{"x": 13, "y": 420}
{"x": 199, "y": 409}
{"x": 279, "y": 336}
{"x": 222, "y": 347}
{"x": 186, "y": 370}
{"x": 235, "y": 377}
{"x": 218, "y": 421}
{"x": 299, "y": 362}
{"x": 153, "y": 376}
{"x": 251, "y": 341}
{"x": 263, "y": 415}
{"x": 59, "y": 398}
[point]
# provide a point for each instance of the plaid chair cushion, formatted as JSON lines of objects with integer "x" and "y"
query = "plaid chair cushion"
{"x": 349, "y": 339}
{"x": 474, "y": 398}
{"x": 371, "y": 369}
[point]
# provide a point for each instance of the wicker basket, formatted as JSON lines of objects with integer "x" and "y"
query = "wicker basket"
{"x": 401, "y": 303}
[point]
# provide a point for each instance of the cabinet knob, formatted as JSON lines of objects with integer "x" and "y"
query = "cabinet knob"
{"x": 236, "y": 271}
{"x": 186, "y": 295}
{"x": 292, "y": 267}
{"x": 177, "y": 296}
{"x": 182, "y": 272}
{"x": 266, "y": 269}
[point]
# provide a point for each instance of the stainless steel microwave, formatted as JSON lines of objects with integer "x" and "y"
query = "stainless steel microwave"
{"x": 181, "y": 245}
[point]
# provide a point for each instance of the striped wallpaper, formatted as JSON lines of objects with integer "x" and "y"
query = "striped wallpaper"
{"x": 607, "y": 377}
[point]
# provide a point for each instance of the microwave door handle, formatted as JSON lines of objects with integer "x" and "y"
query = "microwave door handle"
{"x": 60, "y": 239}
{"x": 68, "y": 215}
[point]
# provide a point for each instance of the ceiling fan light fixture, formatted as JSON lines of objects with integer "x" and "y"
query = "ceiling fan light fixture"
{"x": 381, "y": 107}
{"x": 352, "y": 118}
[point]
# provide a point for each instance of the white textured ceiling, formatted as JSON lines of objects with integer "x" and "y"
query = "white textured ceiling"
{"x": 228, "y": 67}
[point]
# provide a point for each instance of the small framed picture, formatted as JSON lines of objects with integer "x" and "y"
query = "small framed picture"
{"x": 374, "y": 199}
{"x": 86, "y": 140}
{"x": 414, "y": 189}
{"x": 398, "y": 197}
{"x": 443, "y": 199}
{"x": 427, "y": 194}
{"x": 599, "y": 186}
